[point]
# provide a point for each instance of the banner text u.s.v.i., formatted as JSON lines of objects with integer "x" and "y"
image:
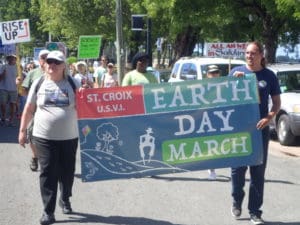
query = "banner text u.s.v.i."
{"x": 138, "y": 131}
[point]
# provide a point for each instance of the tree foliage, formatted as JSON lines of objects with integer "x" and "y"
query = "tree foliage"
{"x": 182, "y": 23}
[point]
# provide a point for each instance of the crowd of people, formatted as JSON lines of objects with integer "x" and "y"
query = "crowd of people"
{"x": 49, "y": 119}
{"x": 43, "y": 98}
{"x": 15, "y": 83}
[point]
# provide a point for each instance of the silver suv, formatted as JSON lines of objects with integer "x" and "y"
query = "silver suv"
{"x": 287, "y": 122}
{"x": 195, "y": 68}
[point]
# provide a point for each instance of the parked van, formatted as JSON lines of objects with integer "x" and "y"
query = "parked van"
{"x": 195, "y": 68}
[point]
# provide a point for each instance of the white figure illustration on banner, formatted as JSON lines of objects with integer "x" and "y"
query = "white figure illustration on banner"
{"x": 147, "y": 142}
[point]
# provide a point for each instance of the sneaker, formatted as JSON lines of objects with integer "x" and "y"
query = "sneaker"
{"x": 34, "y": 164}
{"x": 212, "y": 175}
{"x": 66, "y": 206}
{"x": 236, "y": 211}
{"x": 47, "y": 219}
{"x": 256, "y": 219}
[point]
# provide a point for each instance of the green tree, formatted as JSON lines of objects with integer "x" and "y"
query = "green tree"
{"x": 182, "y": 23}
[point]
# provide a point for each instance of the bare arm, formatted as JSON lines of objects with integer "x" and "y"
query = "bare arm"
{"x": 27, "y": 115}
{"x": 276, "y": 101}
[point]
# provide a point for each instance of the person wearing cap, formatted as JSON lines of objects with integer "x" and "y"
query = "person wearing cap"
{"x": 55, "y": 133}
{"x": 83, "y": 76}
{"x": 109, "y": 79}
{"x": 100, "y": 70}
{"x": 26, "y": 84}
{"x": 8, "y": 89}
{"x": 213, "y": 71}
{"x": 139, "y": 75}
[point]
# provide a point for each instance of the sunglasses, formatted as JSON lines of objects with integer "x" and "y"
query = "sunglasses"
{"x": 56, "y": 62}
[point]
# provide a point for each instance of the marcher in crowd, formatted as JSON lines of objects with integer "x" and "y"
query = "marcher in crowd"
{"x": 29, "y": 66}
{"x": 212, "y": 72}
{"x": 268, "y": 86}
{"x": 100, "y": 71}
{"x": 72, "y": 69}
{"x": 8, "y": 89}
{"x": 55, "y": 133}
{"x": 83, "y": 76}
{"x": 109, "y": 79}
{"x": 139, "y": 75}
{"x": 21, "y": 98}
{"x": 32, "y": 76}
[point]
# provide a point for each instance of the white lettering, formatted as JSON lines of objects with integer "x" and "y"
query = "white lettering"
{"x": 218, "y": 87}
{"x": 158, "y": 99}
{"x": 196, "y": 95}
{"x": 205, "y": 122}
{"x": 236, "y": 144}
{"x": 178, "y": 97}
{"x": 235, "y": 90}
{"x": 175, "y": 155}
{"x": 225, "y": 119}
{"x": 190, "y": 124}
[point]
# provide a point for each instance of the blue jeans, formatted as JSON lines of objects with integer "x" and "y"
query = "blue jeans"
{"x": 57, "y": 162}
{"x": 257, "y": 179}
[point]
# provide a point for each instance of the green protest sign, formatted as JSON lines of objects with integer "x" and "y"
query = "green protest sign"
{"x": 89, "y": 47}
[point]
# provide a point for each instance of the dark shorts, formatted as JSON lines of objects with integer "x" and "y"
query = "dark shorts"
{"x": 8, "y": 96}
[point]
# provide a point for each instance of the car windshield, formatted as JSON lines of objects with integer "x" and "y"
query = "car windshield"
{"x": 224, "y": 68}
{"x": 289, "y": 80}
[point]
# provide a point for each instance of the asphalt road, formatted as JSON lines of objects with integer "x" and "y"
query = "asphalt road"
{"x": 172, "y": 199}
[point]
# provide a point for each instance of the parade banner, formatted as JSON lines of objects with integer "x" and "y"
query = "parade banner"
{"x": 138, "y": 131}
{"x": 15, "y": 31}
{"x": 226, "y": 50}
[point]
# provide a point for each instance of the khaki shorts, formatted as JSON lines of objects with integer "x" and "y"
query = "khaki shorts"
{"x": 8, "y": 96}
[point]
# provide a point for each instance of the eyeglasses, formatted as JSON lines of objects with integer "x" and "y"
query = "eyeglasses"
{"x": 56, "y": 62}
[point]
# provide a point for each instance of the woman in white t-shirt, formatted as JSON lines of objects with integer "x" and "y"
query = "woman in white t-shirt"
{"x": 109, "y": 79}
{"x": 83, "y": 76}
{"x": 52, "y": 102}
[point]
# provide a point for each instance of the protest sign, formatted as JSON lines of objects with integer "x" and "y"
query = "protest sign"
{"x": 89, "y": 47}
{"x": 15, "y": 31}
{"x": 226, "y": 50}
{"x": 7, "y": 49}
{"x": 138, "y": 131}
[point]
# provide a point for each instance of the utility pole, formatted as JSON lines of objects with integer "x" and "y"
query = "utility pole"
{"x": 119, "y": 44}
{"x": 149, "y": 46}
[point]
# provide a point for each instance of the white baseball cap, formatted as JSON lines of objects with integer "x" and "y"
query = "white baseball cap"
{"x": 43, "y": 52}
{"x": 58, "y": 55}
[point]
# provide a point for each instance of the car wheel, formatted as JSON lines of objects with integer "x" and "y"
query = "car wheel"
{"x": 284, "y": 133}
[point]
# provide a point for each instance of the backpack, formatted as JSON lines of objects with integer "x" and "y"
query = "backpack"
{"x": 42, "y": 78}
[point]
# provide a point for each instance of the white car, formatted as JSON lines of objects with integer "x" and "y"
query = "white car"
{"x": 286, "y": 124}
{"x": 195, "y": 68}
